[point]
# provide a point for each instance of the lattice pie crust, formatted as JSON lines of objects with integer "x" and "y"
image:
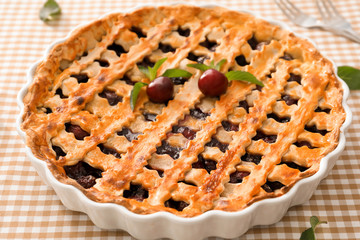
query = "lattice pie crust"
{"x": 194, "y": 153}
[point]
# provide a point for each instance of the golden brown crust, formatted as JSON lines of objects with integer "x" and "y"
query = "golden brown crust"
{"x": 202, "y": 190}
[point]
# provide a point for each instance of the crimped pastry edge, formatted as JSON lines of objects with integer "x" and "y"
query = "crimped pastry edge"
{"x": 164, "y": 224}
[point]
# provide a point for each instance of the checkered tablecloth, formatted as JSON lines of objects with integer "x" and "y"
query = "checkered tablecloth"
{"x": 31, "y": 209}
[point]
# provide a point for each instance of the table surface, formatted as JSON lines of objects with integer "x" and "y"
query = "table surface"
{"x": 31, "y": 209}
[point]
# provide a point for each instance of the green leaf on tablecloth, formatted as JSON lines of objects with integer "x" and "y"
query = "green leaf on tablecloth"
{"x": 351, "y": 76}
{"x": 309, "y": 234}
{"x": 50, "y": 11}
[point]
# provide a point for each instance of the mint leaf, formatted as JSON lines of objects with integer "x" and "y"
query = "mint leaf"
{"x": 172, "y": 73}
{"x": 204, "y": 67}
{"x": 212, "y": 64}
{"x": 219, "y": 64}
{"x": 145, "y": 71}
{"x": 309, "y": 234}
{"x": 351, "y": 76}
{"x": 199, "y": 66}
{"x": 135, "y": 93}
{"x": 50, "y": 11}
{"x": 314, "y": 221}
{"x": 153, "y": 70}
{"x": 243, "y": 76}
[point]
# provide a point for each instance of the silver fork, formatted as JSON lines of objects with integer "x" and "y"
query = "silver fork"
{"x": 334, "y": 22}
{"x": 297, "y": 16}
{"x": 328, "y": 12}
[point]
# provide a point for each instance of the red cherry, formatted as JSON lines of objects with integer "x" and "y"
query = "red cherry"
{"x": 160, "y": 90}
{"x": 212, "y": 83}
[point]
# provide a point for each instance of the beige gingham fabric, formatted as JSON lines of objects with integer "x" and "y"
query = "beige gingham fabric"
{"x": 30, "y": 209}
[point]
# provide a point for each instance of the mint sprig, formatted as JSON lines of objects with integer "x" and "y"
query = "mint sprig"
{"x": 135, "y": 93}
{"x": 50, "y": 11}
{"x": 309, "y": 234}
{"x": 151, "y": 73}
{"x": 173, "y": 73}
{"x": 200, "y": 66}
{"x": 243, "y": 76}
{"x": 231, "y": 76}
{"x": 351, "y": 76}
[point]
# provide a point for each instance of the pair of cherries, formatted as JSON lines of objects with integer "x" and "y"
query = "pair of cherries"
{"x": 212, "y": 83}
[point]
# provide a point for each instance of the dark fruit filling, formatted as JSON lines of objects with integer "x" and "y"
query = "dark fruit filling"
{"x": 178, "y": 205}
{"x": 326, "y": 110}
{"x": 126, "y": 132}
{"x": 206, "y": 164}
{"x": 289, "y": 100}
{"x": 244, "y": 104}
{"x": 295, "y": 166}
{"x": 48, "y": 110}
{"x": 146, "y": 63}
{"x": 278, "y": 119}
{"x": 264, "y": 137}
{"x": 213, "y": 83}
{"x": 150, "y": 117}
{"x": 179, "y": 80}
{"x": 83, "y": 173}
{"x": 118, "y": 49}
{"x": 199, "y": 59}
{"x": 165, "y": 48}
{"x": 184, "y": 32}
{"x": 111, "y": 151}
{"x": 255, "y": 158}
{"x": 160, "y": 172}
{"x": 287, "y": 57}
{"x": 103, "y": 63}
{"x": 314, "y": 129}
{"x": 241, "y": 60}
{"x": 78, "y": 132}
{"x": 198, "y": 114}
{"x": 215, "y": 143}
{"x": 111, "y": 96}
{"x": 259, "y": 88}
{"x": 209, "y": 45}
{"x": 304, "y": 143}
{"x": 185, "y": 131}
{"x": 138, "y": 32}
{"x": 60, "y": 93}
{"x": 253, "y": 43}
{"x": 165, "y": 148}
{"x": 136, "y": 192}
{"x": 87, "y": 181}
{"x": 237, "y": 177}
{"x": 229, "y": 126}
{"x": 59, "y": 152}
{"x": 272, "y": 186}
{"x": 127, "y": 80}
{"x": 294, "y": 78}
{"x": 81, "y": 78}
{"x": 160, "y": 90}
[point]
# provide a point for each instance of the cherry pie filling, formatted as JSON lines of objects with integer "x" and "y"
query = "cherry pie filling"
{"x": 193, "y": 152}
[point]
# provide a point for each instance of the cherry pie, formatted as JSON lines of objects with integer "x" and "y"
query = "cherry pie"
{"x": 193, "y": 153}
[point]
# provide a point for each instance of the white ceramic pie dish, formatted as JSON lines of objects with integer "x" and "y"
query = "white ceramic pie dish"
{"x": 167, "y": 225}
